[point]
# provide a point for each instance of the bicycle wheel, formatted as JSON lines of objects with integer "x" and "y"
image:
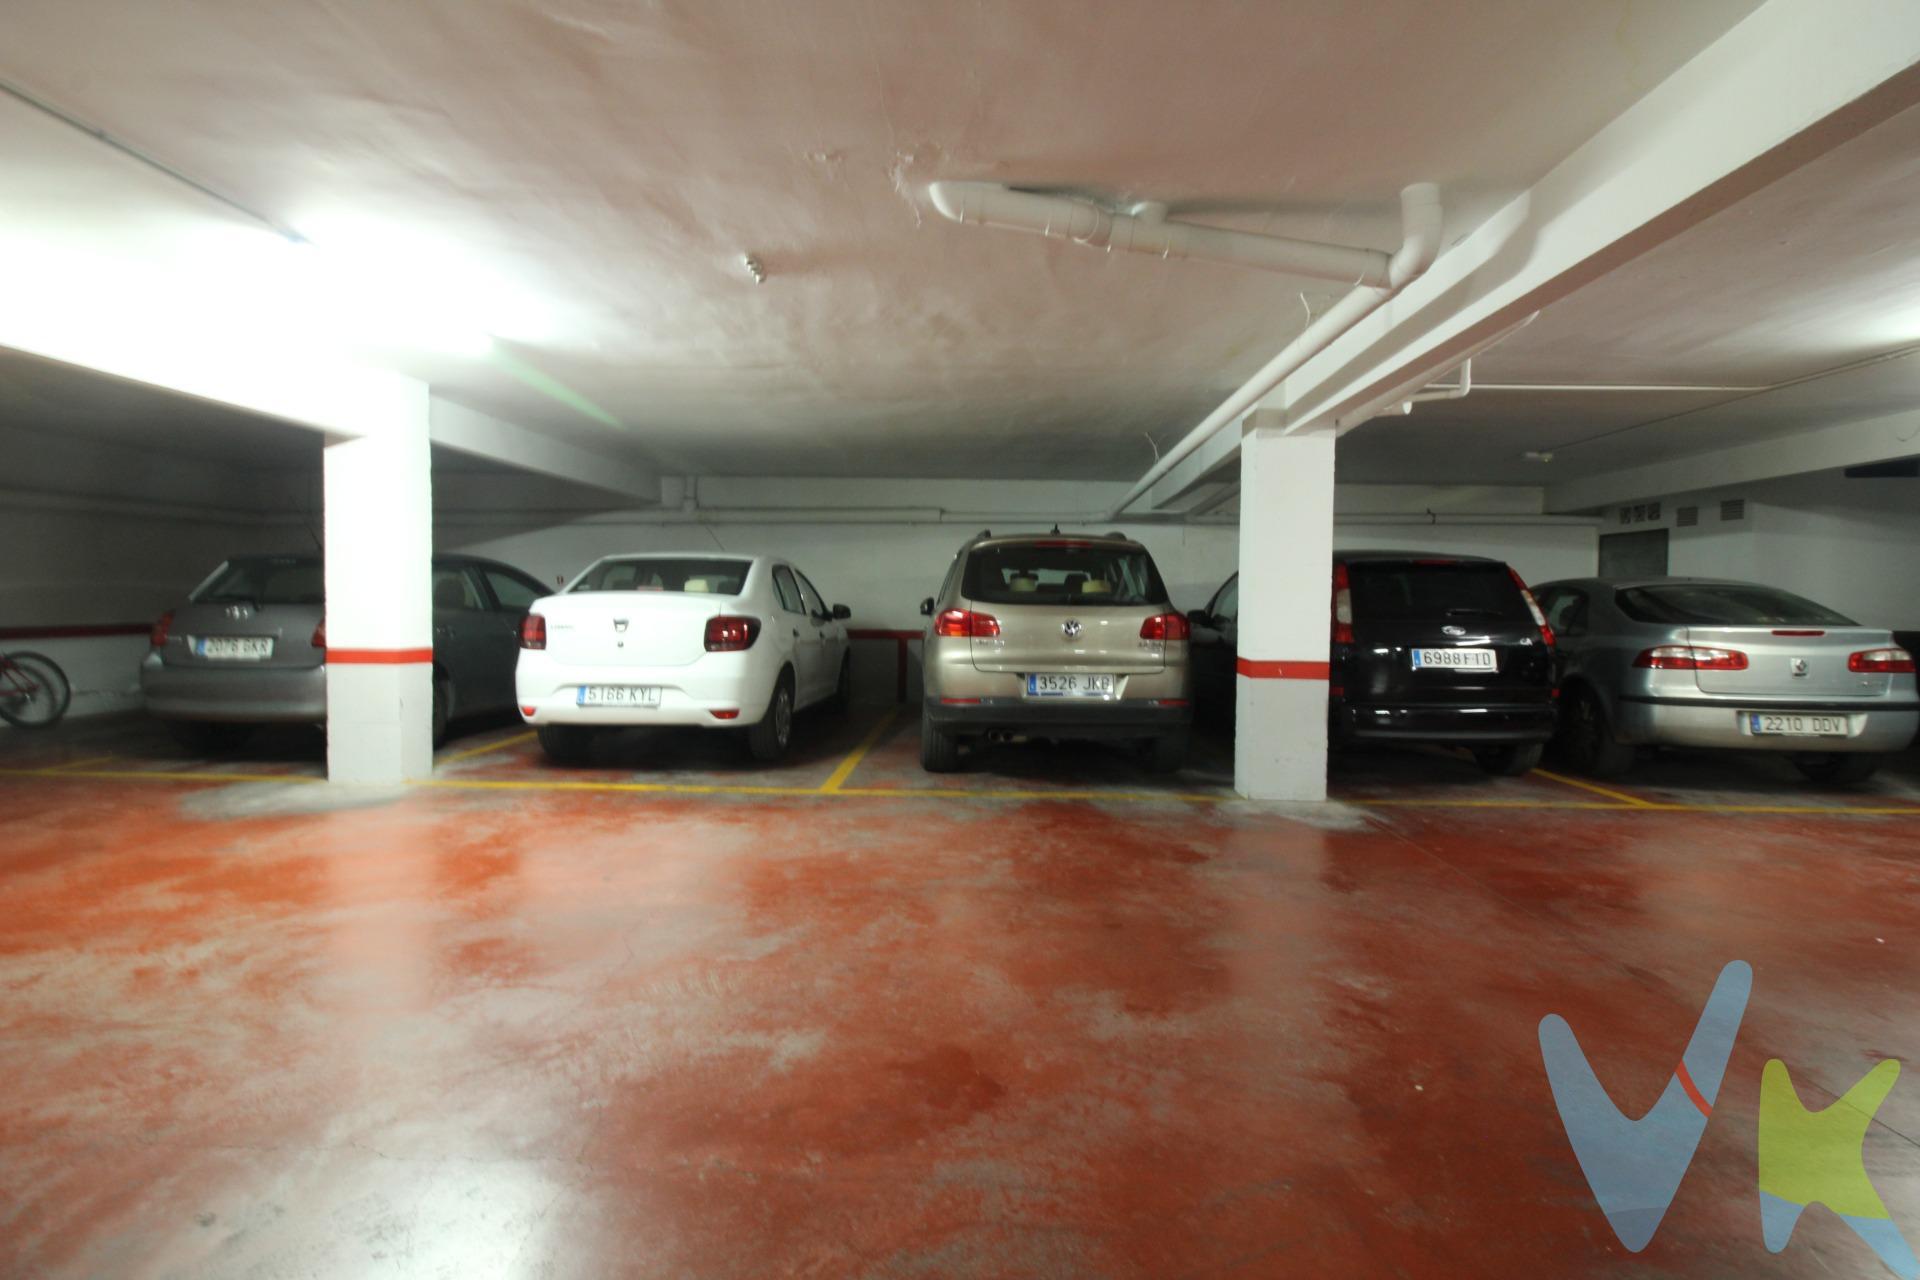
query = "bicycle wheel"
{"x": 33, "y": 690}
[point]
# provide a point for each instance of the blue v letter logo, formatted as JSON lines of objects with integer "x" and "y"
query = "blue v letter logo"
{"x": 1635, "y": 1166}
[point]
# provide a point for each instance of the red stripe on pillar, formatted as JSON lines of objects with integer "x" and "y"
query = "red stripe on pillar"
{"x": 377, "y": 657}
{"x": 1255, "y": 670}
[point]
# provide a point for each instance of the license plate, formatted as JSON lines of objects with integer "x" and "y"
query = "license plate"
{"x": 1769, "y": 725}
{"x": 235, "y": 648}
{"x": 1455, "y": 660}
{"x": 619, "y": 695}
{"x": 1069, "y": 686}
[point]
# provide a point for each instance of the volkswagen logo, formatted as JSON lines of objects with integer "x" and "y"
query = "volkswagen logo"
{"x": 1071, "y": 628}
{"x": 619, "y": 624}
{"x": 1799, "y": 666}
{"x": 237, "y": 611}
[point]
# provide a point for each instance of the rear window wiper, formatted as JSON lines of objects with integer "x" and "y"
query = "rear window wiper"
{"x": 228, "y": 599}
{"x": 1478, "y": 613}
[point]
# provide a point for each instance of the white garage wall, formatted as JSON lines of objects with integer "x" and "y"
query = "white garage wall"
{"x": 1851, "y": 544}
{"x": 98, "y": 534}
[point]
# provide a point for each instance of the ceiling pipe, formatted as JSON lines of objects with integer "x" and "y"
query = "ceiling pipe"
{"x": 1147, "y": 229}
{"x": 1419, "y": 246}
{"x": 1458, "y": 391}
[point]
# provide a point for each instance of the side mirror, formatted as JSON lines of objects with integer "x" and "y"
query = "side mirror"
{"x": 926, "y": 607}
{"x": 1199, "y": 617}
{"x": 841, "y": 613}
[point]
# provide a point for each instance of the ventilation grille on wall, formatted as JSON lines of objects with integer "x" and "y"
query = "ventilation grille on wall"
{"x": 1686, "y": 517}
{"x": 1733, "y": 509}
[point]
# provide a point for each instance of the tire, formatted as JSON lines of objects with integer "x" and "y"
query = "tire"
{"x": 442, "y": 709}
{"x": 206, "y": 738}
{"x": 843, "y": 691}
{"x": 939, "y": 749}
{"x": 1168, "y": 753}
{"x": 1586, "y": 736}
{"x": 1837, "y": 768}
{"x": 1510, "y": 761}
{"x": 34, "y": 692}
{"x": 768, "y": 740}
{"x": 566, "y": 743}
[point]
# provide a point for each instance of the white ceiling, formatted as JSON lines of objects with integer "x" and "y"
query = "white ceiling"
{"x": 582, "y": 176}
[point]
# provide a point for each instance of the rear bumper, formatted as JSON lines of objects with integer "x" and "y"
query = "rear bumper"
{"x": 236, "y": 695}
{"x": 1488, "y": 723}
{"x": 689, "y": 695}
{"x": 1122, "y": 718}
{"x": 1696, "y": 722}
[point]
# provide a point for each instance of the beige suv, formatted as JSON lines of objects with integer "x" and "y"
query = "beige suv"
{"x": 1054, "y": 636}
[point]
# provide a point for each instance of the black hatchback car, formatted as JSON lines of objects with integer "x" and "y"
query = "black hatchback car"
{"x": 1425, "y": 648}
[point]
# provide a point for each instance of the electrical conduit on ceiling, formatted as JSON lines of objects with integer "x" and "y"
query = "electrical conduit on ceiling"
{"x": 1148, "y": 230}
{"x": 1420, "y": 245}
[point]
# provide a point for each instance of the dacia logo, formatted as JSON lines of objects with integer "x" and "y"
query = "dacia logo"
{"x": 1806, "y": 1157}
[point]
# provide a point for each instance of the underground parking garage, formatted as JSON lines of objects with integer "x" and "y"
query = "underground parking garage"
{"x": 741, "y": 640}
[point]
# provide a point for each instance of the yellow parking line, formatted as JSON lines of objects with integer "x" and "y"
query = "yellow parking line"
{"x": 501, "y": 745}
{"x": 956, "y": 793}
{"x": 159, "y": 775}
{"x": 80, "y": 764}
{"x": 1608, "y": 792}
{"x": 859, "y": 753}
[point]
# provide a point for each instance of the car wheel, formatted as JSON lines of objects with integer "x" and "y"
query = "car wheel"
{"x": 939, "y": 749}
{"x": 1586, "y": 735}
{"x": 202, "y": 737}
{"x": 1848, "y": 767}
{"x": 768, "y": 740}
{"x": 566, "y": 743}
{"x": 843, "y": 692}
{"x": 1167, "y": 753}
{"x": 1509, "y": 761}
{"x": 442, "y": 709}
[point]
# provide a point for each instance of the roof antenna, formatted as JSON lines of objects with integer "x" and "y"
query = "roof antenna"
{"x": 1056, "y": 526}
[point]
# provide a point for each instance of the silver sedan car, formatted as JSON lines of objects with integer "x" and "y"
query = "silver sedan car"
{"x": 1699, "y": 662}
{"x": 249, "y": 647}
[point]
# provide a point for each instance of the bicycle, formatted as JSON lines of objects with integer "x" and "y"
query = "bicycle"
{"x": 33, "y": 690}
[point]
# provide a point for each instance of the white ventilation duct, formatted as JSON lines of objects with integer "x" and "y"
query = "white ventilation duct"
{"x": 1148, "y": 230}
{"x": 1419, "y": 246}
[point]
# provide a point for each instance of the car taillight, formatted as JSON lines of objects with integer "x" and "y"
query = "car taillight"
{"x": 1690, "y": 657}
{"x": 319, "y": 637}
{"x": 1166, "y": 626}
{"x": 727, "y": 634}
{"x": 965, "y": 622}
{"x": 158, "y": 636}
{"x": 1342, "y": 606}
{"x": 1882, "y": 662}
{"x": 533, "y": 631}
{"x": 1533, "y": 607}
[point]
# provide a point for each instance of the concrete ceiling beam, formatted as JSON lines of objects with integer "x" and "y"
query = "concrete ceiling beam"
{"x": 469, "y": 431}
{"x": 1783, "y": 87}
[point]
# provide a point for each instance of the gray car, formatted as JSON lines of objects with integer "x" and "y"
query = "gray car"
{"x": 1703, "y": 662}
{"x": 249, "y": 646}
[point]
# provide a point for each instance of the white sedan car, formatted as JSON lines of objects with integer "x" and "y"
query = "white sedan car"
{"x": 721, "y": 642}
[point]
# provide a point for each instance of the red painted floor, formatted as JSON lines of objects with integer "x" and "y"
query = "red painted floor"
{"x": 251, "y": 1029}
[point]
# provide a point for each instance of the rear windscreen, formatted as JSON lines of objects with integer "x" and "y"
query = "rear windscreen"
{"x": 1712, "y": 604}
{"x": 692, "y": 575}
{"x": 268, "y": 580}
{"x": 1407, "y": 591}
{"x": 1065, "y": 572}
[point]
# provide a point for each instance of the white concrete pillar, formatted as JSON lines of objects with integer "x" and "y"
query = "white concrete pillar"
{"x": 1286, "y": 553}
{"x": 379, "y": 535}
